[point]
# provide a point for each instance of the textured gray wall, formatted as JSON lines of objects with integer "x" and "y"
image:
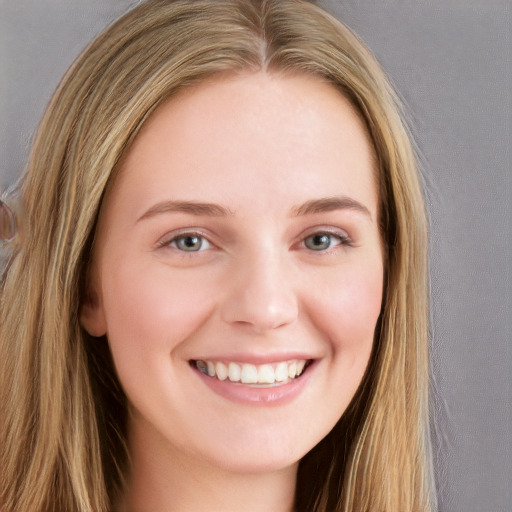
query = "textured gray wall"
{"x": 451, "y": 61}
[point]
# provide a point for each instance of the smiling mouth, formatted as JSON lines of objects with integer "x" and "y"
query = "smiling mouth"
{"x": 253, "y": 374}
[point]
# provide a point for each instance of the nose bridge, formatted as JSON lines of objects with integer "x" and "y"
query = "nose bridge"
{"x": 261, "y": 293}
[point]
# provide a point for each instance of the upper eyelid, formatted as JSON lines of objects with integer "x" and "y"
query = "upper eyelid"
{"x": 343, "y": 238}
{"x": 330, "y": 230}
{"x": 342, "y": 234}
{"x": 174, "y": 242}
{"x": 169, "y": 237}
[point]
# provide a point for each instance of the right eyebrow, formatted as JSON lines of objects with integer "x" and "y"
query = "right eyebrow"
{"x": 190, "y": 207}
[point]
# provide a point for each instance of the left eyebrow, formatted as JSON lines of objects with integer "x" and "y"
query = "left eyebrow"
{"x": 329, "y": 204}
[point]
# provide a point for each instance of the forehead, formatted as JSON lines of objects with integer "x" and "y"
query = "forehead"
{"x": 233, "y": 137}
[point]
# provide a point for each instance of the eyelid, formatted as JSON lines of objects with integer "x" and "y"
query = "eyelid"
{"x": 167, "y": 239}
{"x": 339, "y": 233}
{"x": 345, "y": 239}
{"x": 204, "y": 244}
{"x": 328, "y": 230}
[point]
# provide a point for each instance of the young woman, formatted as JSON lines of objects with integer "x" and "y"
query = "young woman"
{"x": 219, "y": 298}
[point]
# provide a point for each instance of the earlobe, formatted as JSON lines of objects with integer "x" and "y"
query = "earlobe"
{"x": 92, "y": 317}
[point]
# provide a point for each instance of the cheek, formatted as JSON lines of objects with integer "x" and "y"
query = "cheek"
{"x": 150, "y": 313}
{"x": 348, "y": 310}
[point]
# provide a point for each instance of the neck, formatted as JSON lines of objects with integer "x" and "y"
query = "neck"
{"x": 172, "y": 481}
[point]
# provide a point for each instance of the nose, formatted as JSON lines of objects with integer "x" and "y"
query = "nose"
{"x": 261, "y": 295}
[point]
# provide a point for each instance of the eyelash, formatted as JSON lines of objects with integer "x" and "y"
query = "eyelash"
{"x": 340, "y": 236}
{"x": 172, "y": 242}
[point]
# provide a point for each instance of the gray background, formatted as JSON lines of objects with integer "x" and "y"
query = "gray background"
{"x": 451, "y": 62}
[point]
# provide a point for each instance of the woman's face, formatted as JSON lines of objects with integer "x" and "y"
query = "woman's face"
{"x": 238, "y": 247}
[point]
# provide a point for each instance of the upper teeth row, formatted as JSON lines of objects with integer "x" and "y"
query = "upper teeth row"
{"x": 251, "y": 373}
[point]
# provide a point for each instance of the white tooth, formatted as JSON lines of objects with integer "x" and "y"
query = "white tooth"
{"x": 300, "y": 367}
{"x": 234, "y": 372}
{"x": 249, "y": 374}
{"x": 281, "y": 372}
{"x": 292, "y": 370}
{"x": 266, "y": 374}
{"x": 221, "y": 371}
{"x": 210, "y": 368}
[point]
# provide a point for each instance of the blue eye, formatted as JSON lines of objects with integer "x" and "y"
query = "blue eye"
{"x": 323, "y": 241}
{"x": 190, "y": 242}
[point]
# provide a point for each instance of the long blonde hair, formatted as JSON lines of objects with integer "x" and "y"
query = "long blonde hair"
{"x": 63, "y": 412}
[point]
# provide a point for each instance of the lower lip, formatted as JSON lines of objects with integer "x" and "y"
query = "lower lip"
{"x": 272, "y": 395}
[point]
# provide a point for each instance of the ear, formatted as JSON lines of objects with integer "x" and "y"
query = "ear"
{"x": 92, "y": 315}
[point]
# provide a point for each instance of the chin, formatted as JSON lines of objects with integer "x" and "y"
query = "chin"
{"x": 257, "y": 454}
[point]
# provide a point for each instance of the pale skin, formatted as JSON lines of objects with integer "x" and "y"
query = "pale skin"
{"x": 242, "y": 228}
